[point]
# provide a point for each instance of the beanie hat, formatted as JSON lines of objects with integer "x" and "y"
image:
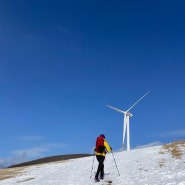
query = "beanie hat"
{"x": 102, "y": 135}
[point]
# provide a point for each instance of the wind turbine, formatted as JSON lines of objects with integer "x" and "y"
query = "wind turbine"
{"x": 126, "y": 124}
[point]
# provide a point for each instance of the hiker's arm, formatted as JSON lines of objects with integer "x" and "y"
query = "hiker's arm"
{"x": 107, "y": 146}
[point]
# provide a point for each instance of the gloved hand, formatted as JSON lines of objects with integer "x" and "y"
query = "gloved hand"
{"x": 111, "y": 148}
{"x": 94, "y": 149}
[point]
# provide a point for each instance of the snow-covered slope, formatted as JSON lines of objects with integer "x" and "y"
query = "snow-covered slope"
{"x": 160, "y": 165}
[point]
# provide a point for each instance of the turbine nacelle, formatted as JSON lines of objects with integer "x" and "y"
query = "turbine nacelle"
{"x": 129, "y": 114}
{"x": 121, "y": 111}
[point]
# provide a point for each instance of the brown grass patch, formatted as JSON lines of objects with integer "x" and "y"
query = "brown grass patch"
{"x": 10, "y": 172}
{"x": 175, "y": 148}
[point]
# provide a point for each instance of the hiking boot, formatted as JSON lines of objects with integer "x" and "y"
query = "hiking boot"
{"x": 96, "y": 179}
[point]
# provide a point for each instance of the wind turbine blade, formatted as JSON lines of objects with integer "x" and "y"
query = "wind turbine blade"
{"x": 137, "y": 101}
{"x": 118, "y": 110}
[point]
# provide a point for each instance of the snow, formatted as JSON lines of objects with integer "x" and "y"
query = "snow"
{"x": 148, "y": 166}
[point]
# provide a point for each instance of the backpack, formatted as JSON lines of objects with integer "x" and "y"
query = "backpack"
{"x": 100, "y": 148}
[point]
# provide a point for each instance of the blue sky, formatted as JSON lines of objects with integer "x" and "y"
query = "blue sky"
{"x": 62, "y": 62}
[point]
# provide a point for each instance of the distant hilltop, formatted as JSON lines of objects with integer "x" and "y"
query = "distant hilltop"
{"x": 50, "y": 159}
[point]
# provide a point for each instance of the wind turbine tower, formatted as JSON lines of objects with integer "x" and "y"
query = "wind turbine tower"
{"x": 126, "y": 124}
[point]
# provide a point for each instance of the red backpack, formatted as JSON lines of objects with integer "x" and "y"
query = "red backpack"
{"x": 100, "y": 148}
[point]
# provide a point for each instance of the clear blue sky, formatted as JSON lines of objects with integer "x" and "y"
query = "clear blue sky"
{"x": 61, "y": 62}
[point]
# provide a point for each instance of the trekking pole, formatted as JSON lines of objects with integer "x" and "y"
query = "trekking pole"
{"x": 92, "y": 166}
{"x": 115, "y": 162}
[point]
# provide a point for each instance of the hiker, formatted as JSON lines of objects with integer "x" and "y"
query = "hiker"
{"x": 102, "y": 147}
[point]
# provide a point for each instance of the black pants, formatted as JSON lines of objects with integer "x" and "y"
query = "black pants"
{"x": 100, "y": 169}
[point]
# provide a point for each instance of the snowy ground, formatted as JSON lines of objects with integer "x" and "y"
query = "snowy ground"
{"x": 148, "y": 166}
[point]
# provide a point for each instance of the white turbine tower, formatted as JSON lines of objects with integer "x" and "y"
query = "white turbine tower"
{"x": 126, "y": 124}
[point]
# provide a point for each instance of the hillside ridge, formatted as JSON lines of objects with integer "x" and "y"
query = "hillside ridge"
{"x": 50, "y": 159}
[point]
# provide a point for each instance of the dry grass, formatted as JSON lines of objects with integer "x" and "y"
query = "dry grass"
{"x": 10, "y": 172}
{"x": 175, "y": 148}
